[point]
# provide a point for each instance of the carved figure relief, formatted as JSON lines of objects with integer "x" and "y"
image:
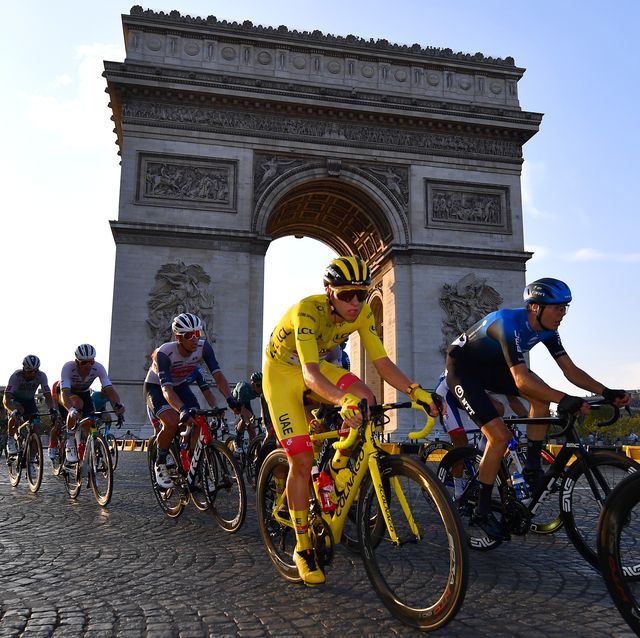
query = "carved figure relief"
{"x": 475, "y": 207}
{"x": 194, "y": 183}
{"x": 464, "y": 303}
{"x": 178, "y": 288}
{"x": 396, "y": 180}
{"x": 314, "y": 129}
{"x": 268, "y": 169}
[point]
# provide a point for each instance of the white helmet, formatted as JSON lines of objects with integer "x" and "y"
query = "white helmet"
{"x": 85, "y": 352}
{"x": 31, "y": 362}
{"x": 186, "y": 322}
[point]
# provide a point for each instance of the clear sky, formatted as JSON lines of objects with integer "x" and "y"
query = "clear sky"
{"x": 60, "y": 172}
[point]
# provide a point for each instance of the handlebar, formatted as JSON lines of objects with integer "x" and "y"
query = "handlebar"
{"x": 565, "y": 420}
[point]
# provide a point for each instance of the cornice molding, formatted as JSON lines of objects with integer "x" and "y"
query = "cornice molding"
{"x": 178, "y": 22}
{"x": 195, "y": 237}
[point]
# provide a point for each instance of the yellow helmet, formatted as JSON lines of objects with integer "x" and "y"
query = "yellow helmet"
{"x": 347, "y": 271}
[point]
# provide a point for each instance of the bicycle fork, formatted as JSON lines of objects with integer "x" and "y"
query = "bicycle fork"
{"x": 376, "y": 476}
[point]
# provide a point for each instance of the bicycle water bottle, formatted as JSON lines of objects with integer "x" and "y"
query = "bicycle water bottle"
{"x": 185, "y": 459}
{"x": 327, "y": 492}
{"x": 519, "y": 486}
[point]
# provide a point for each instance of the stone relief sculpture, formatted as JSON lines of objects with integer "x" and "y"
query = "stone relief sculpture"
{"x": 395, "y": 180}
{"x": 178, "y": 288}
{"x": 476, "y": 208}
{"x": 464, "y": 303}
{"x": 314, "y": 129}
{"x": 176, "y": 181}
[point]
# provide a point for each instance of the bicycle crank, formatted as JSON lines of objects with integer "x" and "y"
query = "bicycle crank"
{"x": 321, "y": 539}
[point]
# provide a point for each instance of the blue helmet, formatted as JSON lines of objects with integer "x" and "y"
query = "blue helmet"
{"x": 547, "y": 291}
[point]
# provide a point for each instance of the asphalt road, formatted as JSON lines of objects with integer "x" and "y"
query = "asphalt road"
{"x": 74, "y": 569}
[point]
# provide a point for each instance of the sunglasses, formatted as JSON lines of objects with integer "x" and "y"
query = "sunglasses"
{"x": 348, "y": 295}
{"x": 191, "y": 335}
{"x": 86, "y": 363}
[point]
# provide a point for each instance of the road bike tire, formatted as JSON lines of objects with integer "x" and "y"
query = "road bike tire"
{"x": 619, "y": 548}
{"x": 422, "y": 581}
{"x": 240, "y": 457}
{"x": 580, "y": 510}
{"x": 469, "y": 458}
{"x": 547, "y": 519}
{"x": 100, "y": 471}
{"x": 58, "y": 463}
{"x": 14, "y": 466}
{"x": 34, "y": 480}
{"x": 253, "y": 453}
{"x": 72, "y": 478}
{"x": 431, "y": 453}
{"x": 279, "y": 539}
{"x": 112, "y": 444}
{"x": 171, "y": 501}
{"x": 224, "y": 487}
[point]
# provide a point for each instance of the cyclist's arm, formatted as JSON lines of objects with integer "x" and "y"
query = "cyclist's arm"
{"x": 7, "y": 401}
{"x": 580, "y": 378}
{"x": 222, "y": 383}
{"x": 319, "y": 384}
{"x": 48, "y": 399}
{"x": 111, "y": 393}
{"x": 530, "y": 385}
{"x": 209, "y": 397}
{"x": 390, "y": 372}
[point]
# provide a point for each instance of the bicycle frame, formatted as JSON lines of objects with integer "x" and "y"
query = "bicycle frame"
{"x": 368, "y": 459}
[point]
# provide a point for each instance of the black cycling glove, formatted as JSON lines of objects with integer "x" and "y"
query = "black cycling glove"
{"x": 569, "y": 404}
{"x": 611, "y": 395}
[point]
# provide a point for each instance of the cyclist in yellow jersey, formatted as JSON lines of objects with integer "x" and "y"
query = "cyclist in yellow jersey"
{"x": 296, "y": 363}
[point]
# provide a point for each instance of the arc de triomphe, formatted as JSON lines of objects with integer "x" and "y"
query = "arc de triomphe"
{"x": 232, "y": 135}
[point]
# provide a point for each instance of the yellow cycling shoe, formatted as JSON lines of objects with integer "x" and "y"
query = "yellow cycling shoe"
{"x": 308, "y": 569}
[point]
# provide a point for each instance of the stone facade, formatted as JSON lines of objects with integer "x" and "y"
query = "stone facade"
{"x": 232, "y": 135}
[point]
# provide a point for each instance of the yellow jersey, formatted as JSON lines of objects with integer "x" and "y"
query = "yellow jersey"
{"x": 306, "y": 333}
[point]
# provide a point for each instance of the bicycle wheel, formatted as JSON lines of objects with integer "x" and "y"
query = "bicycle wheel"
{"x": 173, "y": 500}
{"x": 276, "y": 529}
{"x": 72, "y": 478}
{"x": 100, "y": 471}
{"x": 35, "y": 465}
{"x": 431, "y": 453}
{"x": 58, "y": 463}
{"x": 423, "y": 580}
{"x": 619, "y": 548}
{"x": 547, "y": 519}
{"x": 112, "y": 444}
{"x": 224, "y": 487}
{"x": 240, "y": 456}
{"x": 14, "y": 465}
{"x": 253, "y": 452}
{"x": 463, "y": 462}
{"x": 580, "y": 507}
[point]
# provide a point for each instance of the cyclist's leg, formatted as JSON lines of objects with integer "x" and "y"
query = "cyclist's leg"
{"x": 78, "y": 401}
{"x": 283, "y": 388}
{"x": 168, "y": 419}
{"x": 14, "y": 419}
{"x": 536, "y": 434}
{"x": 471, "y": 396}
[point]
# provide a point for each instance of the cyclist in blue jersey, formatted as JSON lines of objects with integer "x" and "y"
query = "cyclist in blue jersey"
{"x": 490, "y": 356}
{"x": 166, "y": 386}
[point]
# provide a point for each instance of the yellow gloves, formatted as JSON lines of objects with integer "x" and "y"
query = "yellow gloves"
{"x": 349, "y": 409}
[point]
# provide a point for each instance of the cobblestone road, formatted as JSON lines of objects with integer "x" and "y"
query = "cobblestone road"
{"x": 73, "y": 569}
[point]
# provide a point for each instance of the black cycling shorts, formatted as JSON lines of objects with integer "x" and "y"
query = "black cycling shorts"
{"x": 469, "y": 382}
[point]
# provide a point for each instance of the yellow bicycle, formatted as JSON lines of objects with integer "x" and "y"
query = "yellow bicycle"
{"x": 408, "y": 531}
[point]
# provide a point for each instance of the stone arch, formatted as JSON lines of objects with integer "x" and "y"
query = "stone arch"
{"x": 349, "y": 212}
